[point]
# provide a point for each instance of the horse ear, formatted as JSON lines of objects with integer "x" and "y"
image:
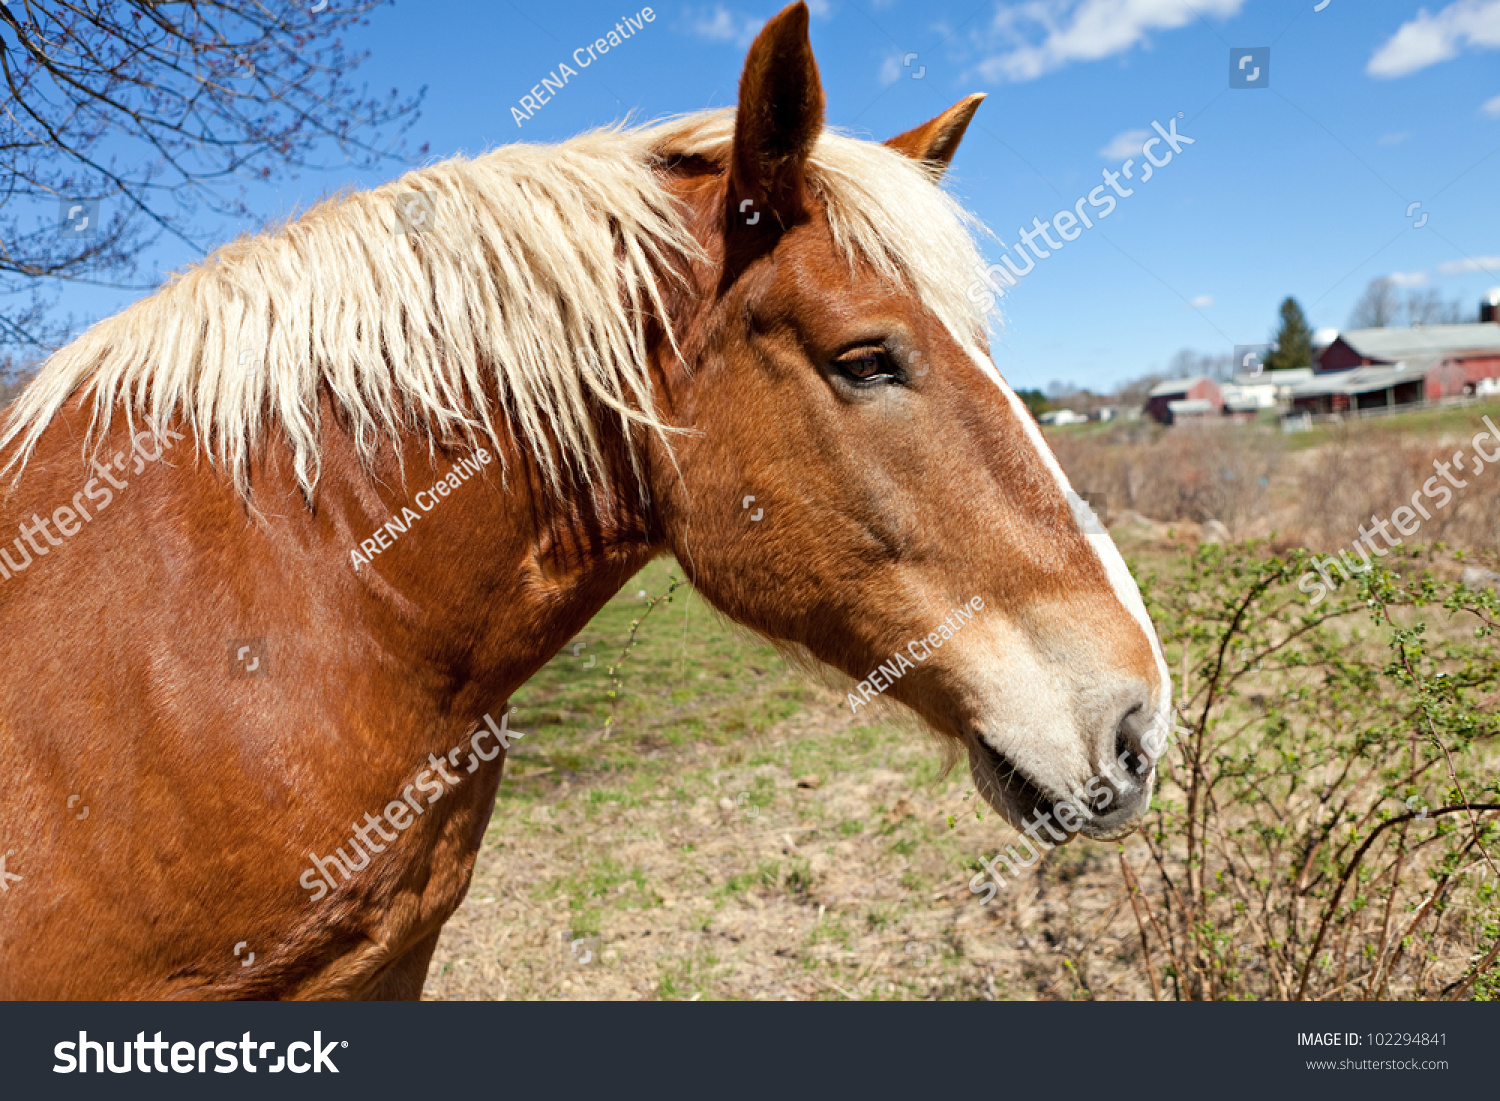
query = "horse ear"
{"x": 779, "y": 118}
{"x": 935, "y": 141}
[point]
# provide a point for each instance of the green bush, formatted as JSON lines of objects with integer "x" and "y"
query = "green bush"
{"x": 1326, "y": 826}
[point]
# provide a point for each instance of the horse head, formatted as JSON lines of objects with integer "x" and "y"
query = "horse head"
{"x": 855, "y": 480}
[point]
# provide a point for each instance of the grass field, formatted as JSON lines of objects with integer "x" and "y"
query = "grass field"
{"x": 1441, "y": 422}
{"x": 740, "y": 835}
{"x": 702, "y": 821}
{"x": 1438, "y": 422}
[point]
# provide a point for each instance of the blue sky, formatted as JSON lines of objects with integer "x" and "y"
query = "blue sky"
{"x": 1299, "y": 188}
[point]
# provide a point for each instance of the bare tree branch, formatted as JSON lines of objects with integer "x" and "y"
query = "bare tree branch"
{"x": 126, "y": 120}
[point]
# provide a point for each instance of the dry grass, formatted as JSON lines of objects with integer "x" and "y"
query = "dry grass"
{"x": 740, "y": 835}
{"x": 1312, "y": 490}
{"x": 732, "y": 881}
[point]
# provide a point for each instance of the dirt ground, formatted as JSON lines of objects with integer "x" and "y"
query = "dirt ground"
{"x": 821, "y": 859}
{"x": 737, "y": 833}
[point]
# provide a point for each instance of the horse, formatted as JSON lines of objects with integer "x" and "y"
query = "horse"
{"x": 293, "y": 528}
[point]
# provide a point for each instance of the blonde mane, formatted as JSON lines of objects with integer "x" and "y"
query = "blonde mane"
{"x": 536, "y": 277}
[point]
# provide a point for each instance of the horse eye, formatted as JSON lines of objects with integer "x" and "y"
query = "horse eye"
{"x": 866, "y": 364}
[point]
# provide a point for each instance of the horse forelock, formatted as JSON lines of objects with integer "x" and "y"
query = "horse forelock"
{"x": 531, "y": 282}
{"x": 883, "y": 209}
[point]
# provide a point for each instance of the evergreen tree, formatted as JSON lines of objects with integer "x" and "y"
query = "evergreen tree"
{"x": 1293, "y": 340}
{"x": 1034, "y": 400}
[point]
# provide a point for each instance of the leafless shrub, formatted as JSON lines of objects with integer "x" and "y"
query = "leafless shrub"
{"x": 1196, "y": 473}
{"x": 1319, "y": 498}
{"x": 1352, "y": 481}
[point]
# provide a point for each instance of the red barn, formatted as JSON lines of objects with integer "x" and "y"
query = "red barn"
{"x": 1196, "y": 389}
{"x": 1452, "y": 359}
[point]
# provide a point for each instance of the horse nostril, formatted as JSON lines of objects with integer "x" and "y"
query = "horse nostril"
{"x": 1130, "y": 753}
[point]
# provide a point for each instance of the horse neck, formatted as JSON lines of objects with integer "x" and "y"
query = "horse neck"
{"x": 491, "y": 581}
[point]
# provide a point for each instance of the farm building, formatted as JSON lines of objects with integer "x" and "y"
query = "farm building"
{"x": 1451, "y": 359}
{"x": 1197, "y": 391}
{"x": 1249, "y": 393}
{"x": 1184, "y": 409}
{"x": 1360, "y": 389}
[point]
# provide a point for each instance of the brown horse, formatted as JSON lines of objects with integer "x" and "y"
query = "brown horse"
{"x": 290, "y": 528}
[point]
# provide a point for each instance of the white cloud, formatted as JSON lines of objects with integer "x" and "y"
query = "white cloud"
{"x": 1125, "y": 144}
{"x": 1202, "y": 302}
{"x": 1394, "y": 139}
{"x": 1035, "y": 37}
{"x": 1407, "y": 278}
{"x": 1468, "y": 265}
{"x": 721, "y": 24}
{"x": 1492, "y": 108}
{"x": 890, "y": 69}
{"x": 1429, "y": 39}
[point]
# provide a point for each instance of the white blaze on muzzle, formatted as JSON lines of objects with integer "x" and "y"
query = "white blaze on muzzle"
{"x": 1126, "y": 591}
